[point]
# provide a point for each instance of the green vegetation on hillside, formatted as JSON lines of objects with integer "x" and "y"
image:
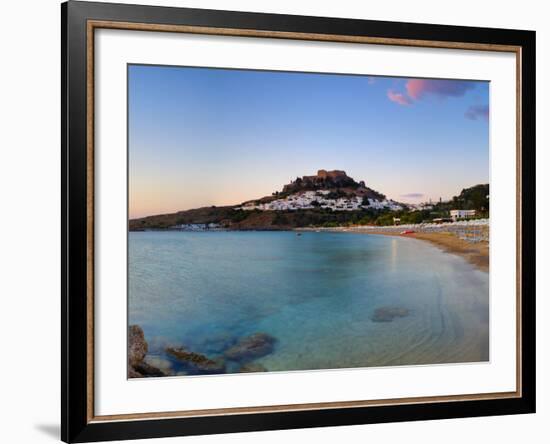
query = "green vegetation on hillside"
{"x": 473, "y": 198}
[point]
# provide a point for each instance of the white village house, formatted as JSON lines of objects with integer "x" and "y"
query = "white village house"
{"x": 311, "y": 199}
{"x": 462, "y": 214}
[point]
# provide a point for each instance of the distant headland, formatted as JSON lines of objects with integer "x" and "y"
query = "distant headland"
{"x": 328, "y": 199}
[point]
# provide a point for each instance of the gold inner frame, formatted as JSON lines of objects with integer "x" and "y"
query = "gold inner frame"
{"x": 96, "y": 24}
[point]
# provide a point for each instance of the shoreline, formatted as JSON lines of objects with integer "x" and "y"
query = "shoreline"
{"x": 476, "y": 254}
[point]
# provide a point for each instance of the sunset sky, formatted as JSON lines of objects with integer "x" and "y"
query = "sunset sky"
{"x": 203, "y": 136}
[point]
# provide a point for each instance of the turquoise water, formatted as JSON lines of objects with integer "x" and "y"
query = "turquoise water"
{"x": 315, "y": 293}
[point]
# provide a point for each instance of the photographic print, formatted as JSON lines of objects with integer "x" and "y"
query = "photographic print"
{"x": 284, "y": 221}
{"x": 275, "y": 222}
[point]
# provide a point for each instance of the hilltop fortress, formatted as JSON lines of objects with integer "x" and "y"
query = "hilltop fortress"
{"x": 323, "y": 179}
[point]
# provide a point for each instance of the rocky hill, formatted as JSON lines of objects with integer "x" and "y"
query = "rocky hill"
{"x": 329, "y": 197}
{"x": 331, "y": 180}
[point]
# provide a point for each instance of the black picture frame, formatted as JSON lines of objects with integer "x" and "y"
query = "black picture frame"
{"x": 76, "y": 424}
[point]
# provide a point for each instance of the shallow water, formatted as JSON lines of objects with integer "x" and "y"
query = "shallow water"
{"x": 315, "y": 293}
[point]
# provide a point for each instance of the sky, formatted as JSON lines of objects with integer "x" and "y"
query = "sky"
{"x": 204, "y": 136}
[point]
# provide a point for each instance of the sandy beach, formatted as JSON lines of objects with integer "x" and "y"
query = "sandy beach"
{"x": 445, "y": 237}
{"x": 476, "y": 254}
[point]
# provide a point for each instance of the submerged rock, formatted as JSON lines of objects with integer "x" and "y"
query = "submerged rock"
{"x": 388, "y": 314}
{"x": 252, "y": 368}
{"x": 147, "y": 370}
{"x": 251, "y": 347}
{"x": 133, "y": 373}
{"x": 197, "y": 360}
{"x": 164, "y": 365}
{"x": 219, "y": 342}
{"x": 137, "y": 346}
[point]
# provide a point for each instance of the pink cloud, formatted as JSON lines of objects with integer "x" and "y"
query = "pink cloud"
{"x": 477, "y": 111}
{"x": 399, "y": 98}
{"x": 418, "y": 88}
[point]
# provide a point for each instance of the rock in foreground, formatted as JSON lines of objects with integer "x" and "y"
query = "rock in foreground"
{"x": 145, "y": 369}
{"x": 137, "y": 346}
{"x": 137, "y": 350}
{"x": 388, "y": 314}
{"x": 197, "y": 360}
{"x": 251, "y": 347}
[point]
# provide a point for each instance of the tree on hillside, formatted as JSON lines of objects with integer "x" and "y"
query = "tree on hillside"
{"x": 473, "y": 198}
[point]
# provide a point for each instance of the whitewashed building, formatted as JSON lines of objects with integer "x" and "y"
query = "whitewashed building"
{"x": 312, "y": 199}
{"x": 462, "y": 214}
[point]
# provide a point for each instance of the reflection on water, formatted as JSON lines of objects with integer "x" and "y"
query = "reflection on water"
{"x": 316, "y": 294}
{"x": 393, "y": 254}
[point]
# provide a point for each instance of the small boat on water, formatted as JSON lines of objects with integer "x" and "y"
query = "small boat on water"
{"x": 298, "y": 234}
{"x": 407, "y": 232}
